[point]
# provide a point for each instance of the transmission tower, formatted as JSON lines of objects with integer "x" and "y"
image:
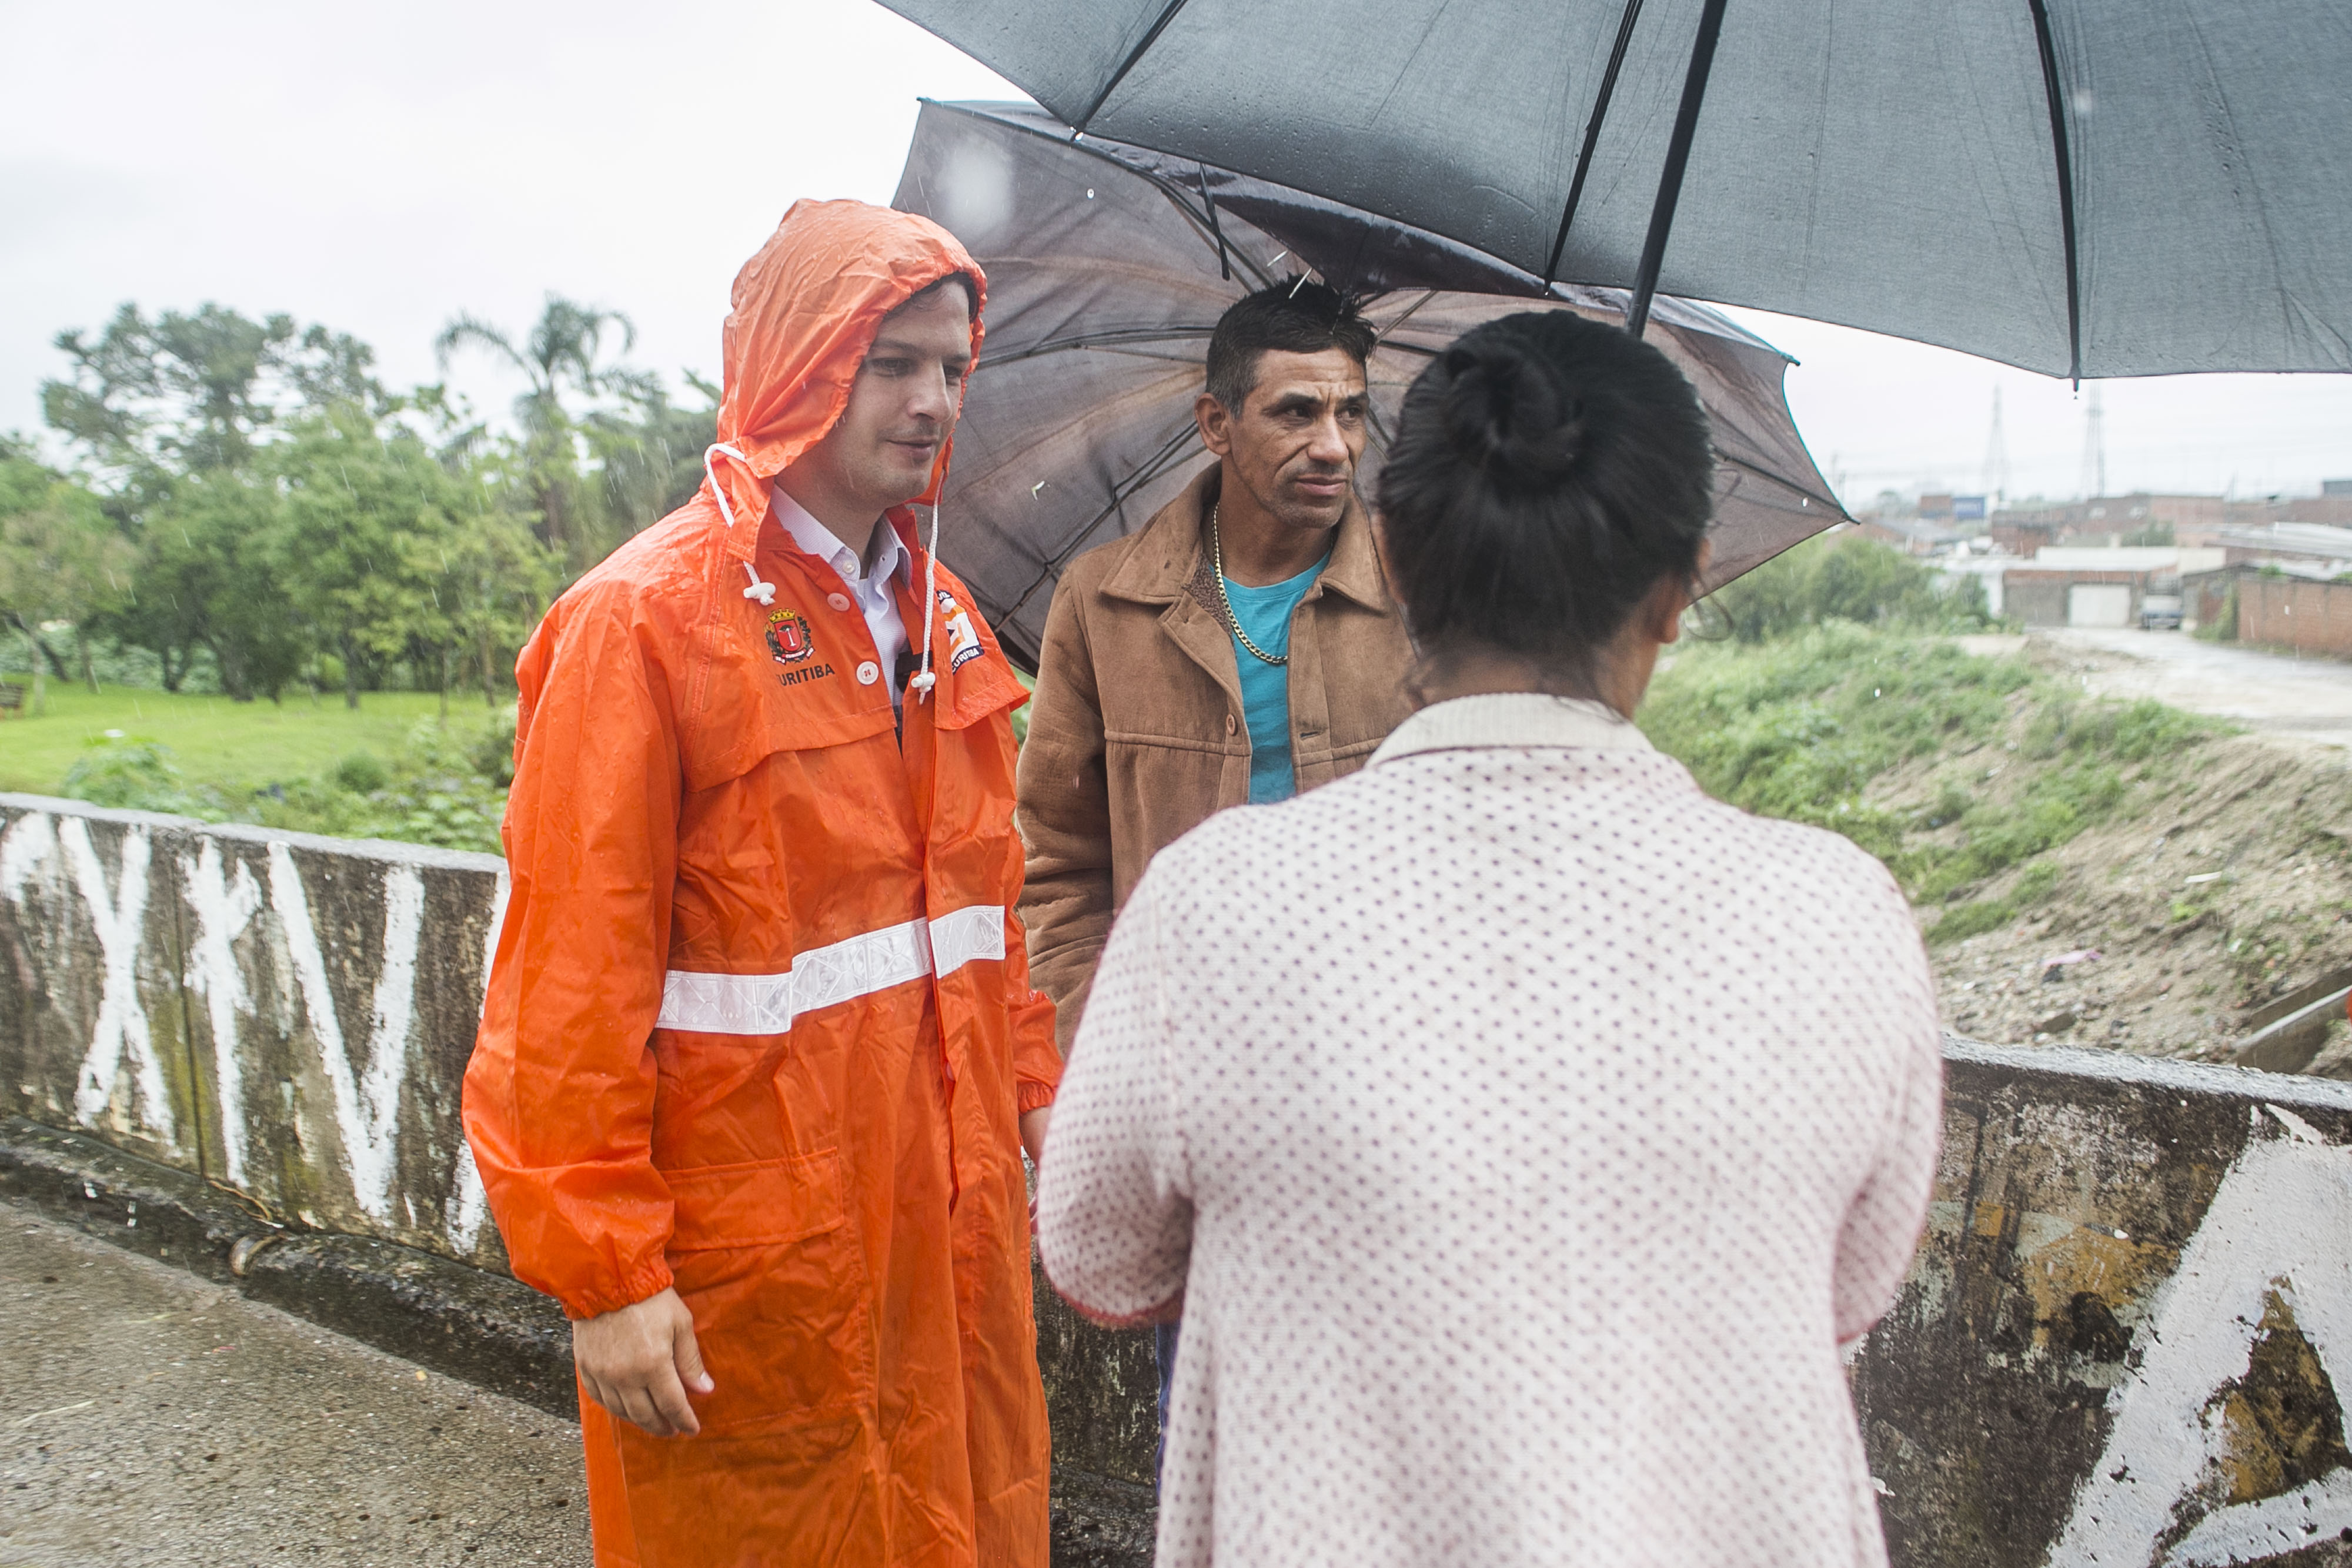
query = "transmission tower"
{"x": 2095, "y": 447}
{"x": 1996, "y": 463}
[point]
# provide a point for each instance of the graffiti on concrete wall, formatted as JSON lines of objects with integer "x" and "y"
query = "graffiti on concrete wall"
{"x": 2128, "y": 1334}
{"x": 2226, "y": 1446}
{"x": 290, "y": 1015}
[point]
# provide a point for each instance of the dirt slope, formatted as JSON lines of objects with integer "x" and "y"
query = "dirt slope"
{"x": 2223, "y": 885}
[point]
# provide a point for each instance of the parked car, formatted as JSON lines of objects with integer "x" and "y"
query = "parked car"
{"x": 2159, "y": 612}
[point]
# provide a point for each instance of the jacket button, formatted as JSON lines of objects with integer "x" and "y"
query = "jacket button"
{"x": 1230, "y": 725}
{"x": 868, "y": 672}
{"x": 838, "y": 600}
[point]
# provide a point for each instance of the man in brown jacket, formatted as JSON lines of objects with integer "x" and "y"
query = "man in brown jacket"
{"x": 1240, "y": 648}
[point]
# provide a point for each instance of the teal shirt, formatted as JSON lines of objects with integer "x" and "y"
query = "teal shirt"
{"x": 1265, "y": 613}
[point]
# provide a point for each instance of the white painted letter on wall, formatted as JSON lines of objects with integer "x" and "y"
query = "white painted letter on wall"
{"x": 120, "y": 920}
{"x": 367, "y": 1103}
{"x": 223, "y": 906}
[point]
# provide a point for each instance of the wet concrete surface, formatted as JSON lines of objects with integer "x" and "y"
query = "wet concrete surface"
{"x": 151, "y": 1417}
{"x": 2307, "y": 699}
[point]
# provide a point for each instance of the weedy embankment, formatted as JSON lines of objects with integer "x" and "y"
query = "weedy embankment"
{"x": 2033, "y": 826}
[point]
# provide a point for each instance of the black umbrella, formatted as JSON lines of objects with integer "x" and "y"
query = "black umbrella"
{"x": 1107, "y": 268}
{"x": 2083, "y": 188}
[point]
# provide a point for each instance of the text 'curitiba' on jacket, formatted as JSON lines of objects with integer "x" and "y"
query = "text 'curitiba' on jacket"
{"x": 760, "y": 1023}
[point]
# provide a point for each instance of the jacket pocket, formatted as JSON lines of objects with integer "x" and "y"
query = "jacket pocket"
{"x": 767, "y": 1262}
{"x": 760, "y": 1202}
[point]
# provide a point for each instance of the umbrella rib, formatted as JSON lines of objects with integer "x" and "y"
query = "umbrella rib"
{"x": 1115, "y": 337}
{"x": 2058, "y": 146}
{"x": 1782, "y": 480}
{"x": 1670, "y": 177}
{"x": 1167, "y": 15}
{"x": 1209, "y": 200}
{"x": 1592, "y": 136}
{"x": 1151, "y": 468}
{"x": 1426, "y": 297}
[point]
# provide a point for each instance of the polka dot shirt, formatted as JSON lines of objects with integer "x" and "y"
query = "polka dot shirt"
{"x": 1521, "y": 1134}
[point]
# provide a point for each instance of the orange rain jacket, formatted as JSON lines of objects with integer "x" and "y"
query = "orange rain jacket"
{"x": 760, "y": 1023}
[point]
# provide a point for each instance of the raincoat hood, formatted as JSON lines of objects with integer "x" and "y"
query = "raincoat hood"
{"x": 803, "y": 312}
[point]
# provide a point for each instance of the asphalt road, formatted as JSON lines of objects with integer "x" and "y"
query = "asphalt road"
{"x": 2308, "y": 699}
{"x": 150, "y": 1417}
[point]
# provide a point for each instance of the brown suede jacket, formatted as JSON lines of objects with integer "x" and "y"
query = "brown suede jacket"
{"x": 1136, "y": 732}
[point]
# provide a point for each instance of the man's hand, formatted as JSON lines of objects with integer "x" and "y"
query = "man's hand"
{"x": 1032, "y": 1132}
{"x": 640, "y": 1363}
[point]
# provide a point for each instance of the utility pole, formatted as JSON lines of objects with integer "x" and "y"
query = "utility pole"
{"x": 2095, "y": 448}
{"x": 1996, "y": 463}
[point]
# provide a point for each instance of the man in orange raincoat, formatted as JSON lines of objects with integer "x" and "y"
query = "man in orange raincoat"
{"x": 760, "y": 1053}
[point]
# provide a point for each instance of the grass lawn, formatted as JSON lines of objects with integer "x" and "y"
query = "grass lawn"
{"x": 212, "y": 740}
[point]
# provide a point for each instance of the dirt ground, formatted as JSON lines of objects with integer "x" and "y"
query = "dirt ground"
{"x": 2224, "y": 884}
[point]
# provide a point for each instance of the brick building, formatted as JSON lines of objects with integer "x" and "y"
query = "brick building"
{"x": 2287, "y": 612}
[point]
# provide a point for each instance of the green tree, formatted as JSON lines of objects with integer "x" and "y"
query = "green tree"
{"x": 369, "y": 515}
{"x": 1842, "y": 577}
{"x": 213, "y": 579}
{"x": 175, "y": 411}
{"x": 183, "y": 393}
{"x": 496, "y": 576}
{"x": 651, "y": 451}
{"x": 60, "y": 556}
{"x": 560, "y": 358}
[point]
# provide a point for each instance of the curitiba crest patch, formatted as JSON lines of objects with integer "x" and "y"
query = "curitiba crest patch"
{"x": 788, "y": 637}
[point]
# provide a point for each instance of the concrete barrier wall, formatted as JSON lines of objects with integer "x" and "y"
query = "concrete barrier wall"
{"x": 2128, "y": 1334}
{"x": 286, "y": 1015}
{"x": 2285, "y": 612}
{"x": 2125, "y": 1340}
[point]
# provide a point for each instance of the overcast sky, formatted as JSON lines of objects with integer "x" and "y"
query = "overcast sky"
{"x": 379, "y": 169}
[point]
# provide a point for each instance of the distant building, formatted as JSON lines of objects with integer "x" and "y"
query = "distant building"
{"x": 2022, "y": 533}
{"x": 1912, "y": 535}
{"x": 2304, "y": 549}
{"x": 2194, "y": 521}
{"x": 2331, "y": 508}
{"x": 2097, "y": 586}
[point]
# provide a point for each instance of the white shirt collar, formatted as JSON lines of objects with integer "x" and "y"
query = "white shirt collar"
{"x": 1511, "y": 719}
{"x": 816, "y": 539}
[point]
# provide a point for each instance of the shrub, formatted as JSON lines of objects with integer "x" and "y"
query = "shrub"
{"x": 1843, "y": 576}
{"x": 1962, "y": 921}
{"x": 128, "y": 775}
{"x": 361, "y": 774}
{"x": 1800, "y": 726}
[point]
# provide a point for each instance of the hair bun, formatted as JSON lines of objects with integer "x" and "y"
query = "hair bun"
{"x": 1508, "y": 416}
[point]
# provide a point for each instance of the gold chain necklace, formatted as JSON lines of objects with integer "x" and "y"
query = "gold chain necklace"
{"x": 1217, "y": 552}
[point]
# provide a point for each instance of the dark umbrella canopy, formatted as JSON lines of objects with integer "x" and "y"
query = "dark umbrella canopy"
{"x": 2099, "y": 187}
{"x": 1107, "y": 268}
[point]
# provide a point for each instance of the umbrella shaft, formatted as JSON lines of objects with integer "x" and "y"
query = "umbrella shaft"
{"x": 1670, "y": 179}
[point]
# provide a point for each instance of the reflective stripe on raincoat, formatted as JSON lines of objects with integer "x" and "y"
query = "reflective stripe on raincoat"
{"x": 760, "y": 1023}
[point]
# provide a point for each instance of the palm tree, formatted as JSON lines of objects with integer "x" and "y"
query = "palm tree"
{"x": 559, "y": 356}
